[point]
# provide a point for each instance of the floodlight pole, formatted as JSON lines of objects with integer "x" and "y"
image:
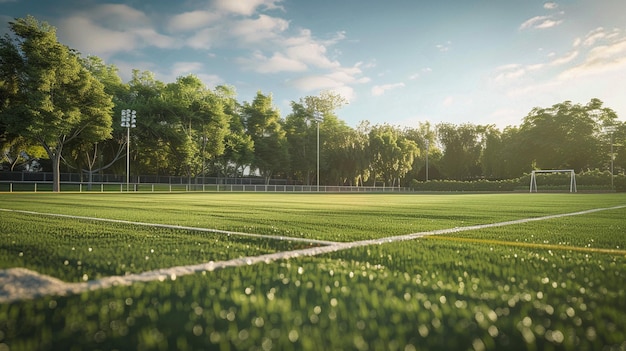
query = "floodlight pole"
{"x": 610, "y": 130}
{"x": 318, "y": 118}
{"x": 427, "y": 149}
{"x": 129, "y": 120}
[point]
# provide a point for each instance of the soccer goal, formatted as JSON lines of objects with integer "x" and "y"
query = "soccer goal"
{"x": 572, "y": 178}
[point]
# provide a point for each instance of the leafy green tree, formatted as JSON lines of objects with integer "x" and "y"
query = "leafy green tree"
{"x": 199, "y": 124}
{"x": 263, "y": 122}
{"x": 424, "y": 137}
{"x": 619, "y": 148}
{"x": 157, "y": 133}
{"x": 336, "y": 141}
{"x": 359, "y": 151}
{"x": 301, "y": 137}
{"x": 108, "y": 75}
{"x": 53, "y": 98}
{"x": 301, "y": 127}
{"x": 504, "y": 155}
{"x": 566, "y": 135}
{"x": 238, "y": 145}
{"x": 238, "y": 154}
{"x": 91, "y": 158}
{"x": 462, "y": 146}
{"x": 392, "y": 153}
{"x": 17, "y": 151}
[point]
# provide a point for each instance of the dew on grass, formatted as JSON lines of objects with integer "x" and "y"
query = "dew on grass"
{"x": 423, "y": 330}
{"x": 259, "y": 322}
{"x": 293, "y": 335}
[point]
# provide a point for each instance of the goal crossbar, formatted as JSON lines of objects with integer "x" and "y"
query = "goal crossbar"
{"x": 572, "y": 178}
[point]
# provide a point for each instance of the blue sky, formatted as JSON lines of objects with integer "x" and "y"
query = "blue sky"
{"x": 398, "y": 61}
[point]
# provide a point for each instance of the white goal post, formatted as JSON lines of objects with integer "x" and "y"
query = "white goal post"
{"x": 572, "y": 178}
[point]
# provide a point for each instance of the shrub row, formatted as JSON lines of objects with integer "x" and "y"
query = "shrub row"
{"x": 594, "y": 180}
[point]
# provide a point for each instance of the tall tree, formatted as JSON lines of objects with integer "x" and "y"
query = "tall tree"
{"x": 263, "y": 122}
{"x": 55, "y": 99}
{"x": 302, "y": 126}
{"x": 565, "y": 135}
{"x": 504, "y": 155}
{"x": 462, "y": 147}
{"x": 392, "y": 153}
{"x": 238, "y": 145}
{"x": 91, "y": 158}
{"x": 300, "y": 130}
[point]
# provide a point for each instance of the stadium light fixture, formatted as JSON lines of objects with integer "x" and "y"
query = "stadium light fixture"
{"x": 129, "y": 120}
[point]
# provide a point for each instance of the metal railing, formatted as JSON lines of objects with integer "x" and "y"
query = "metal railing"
{"x": 46, "y": 186}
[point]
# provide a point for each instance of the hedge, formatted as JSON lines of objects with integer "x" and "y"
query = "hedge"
{"x": 593, "y": 180}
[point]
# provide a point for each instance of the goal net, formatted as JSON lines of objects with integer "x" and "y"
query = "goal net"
{"x": 572, "y": 178}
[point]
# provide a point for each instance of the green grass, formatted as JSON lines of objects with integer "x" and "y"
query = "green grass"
{"x": 76, "y": 249}
{"x": 545, "y": 285}
{"x": 335, "y": 217}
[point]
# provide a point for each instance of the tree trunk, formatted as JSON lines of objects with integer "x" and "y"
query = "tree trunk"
{"x": 56, "y": 171}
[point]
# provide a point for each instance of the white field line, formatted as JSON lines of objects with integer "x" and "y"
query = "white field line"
{"x": 20, "y": 283}
{"x": 177, "y": 227}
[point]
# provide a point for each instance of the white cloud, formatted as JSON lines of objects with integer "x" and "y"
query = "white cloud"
{"x": 184, "y": 68}
{"x": 594, "y": 36}
{"x": 340, "y": 80}
{"x": 379, "y": 90}
{"x": 550, "y": 5}
{"x": 264, "y": 43}
{"x": 567, "y": 58}
{"x": 513, "y": 72}
{"x": 93, "y": 39}
{"x": 276, "y": 63}
{"x": 258, "y": 30}
{"x": 118, "y": 14}
{"x": 245, "y": 8}
{"x": 170, "y": 74}
{"x": 600, "y": 59}
{"x": 110, "y": 28}
{"x": 540, "y": 22}
{"x": 568, "y": 76}
{"x": 509, "y": 72}
{"x": 297, "y": 53}
{"x": 305, "y": 48}
{"x": 444, "y": 47}
{"x": 192, "y": 20}
{"x": 419, "y": 74}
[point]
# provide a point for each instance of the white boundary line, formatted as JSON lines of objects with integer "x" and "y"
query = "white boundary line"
{"x": 20, "y": 283}
{"x": 178, "y": 227}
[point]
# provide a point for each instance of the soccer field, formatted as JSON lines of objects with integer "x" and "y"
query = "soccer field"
{"x": 263, "y": 271}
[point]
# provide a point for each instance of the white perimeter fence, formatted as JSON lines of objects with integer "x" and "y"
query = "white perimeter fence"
{"x": 159, "y": 187}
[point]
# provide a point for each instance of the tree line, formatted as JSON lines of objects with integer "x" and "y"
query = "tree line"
{"x": 57, "y": 105}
